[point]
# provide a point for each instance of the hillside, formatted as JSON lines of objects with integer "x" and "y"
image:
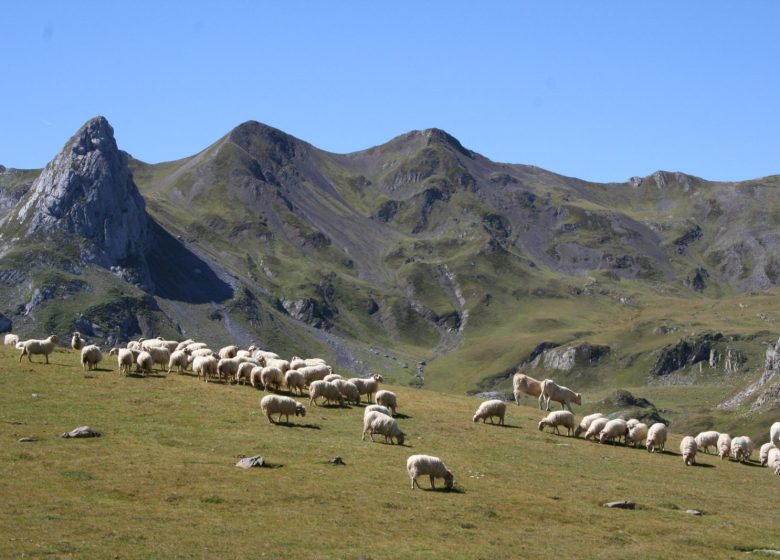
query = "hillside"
{"x": 161, "y": 481}
{"x": 418, "y": 258}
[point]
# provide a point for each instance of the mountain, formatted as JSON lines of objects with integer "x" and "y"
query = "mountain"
{"x": 418, "y": 258}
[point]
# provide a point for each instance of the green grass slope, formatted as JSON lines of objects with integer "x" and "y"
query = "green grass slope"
{"x": 161, "y": 480}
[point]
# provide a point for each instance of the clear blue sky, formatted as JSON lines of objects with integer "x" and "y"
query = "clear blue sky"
{"x": 598, "y": 90}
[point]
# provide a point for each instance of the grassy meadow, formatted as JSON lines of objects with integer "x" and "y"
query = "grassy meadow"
{"x": 161, "y": 481}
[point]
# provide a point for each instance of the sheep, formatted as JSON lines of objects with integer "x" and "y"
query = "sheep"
{"x": 551, "y": 391}
{"x": 271, "y": 377}
{"x": 332, "y": 377}
{"x": 367, "y": 386}
{"x": 160, "y": 355}
{"x": 134, "y": 345}
{"x": 184, "y": 343}
{"x": 228, "y": 352}
{"x": 90, "y": 357}
{"x": 277, "y": 404}
{"x": 201, "y": 352}
{"x": 205, "y": 366}
{"x": 124, "y": 358}
{"x": 244, "y": 372}
{"x": 228, "y": 367}
{"x": 314, "y": 373}
{"x": 656, "y": 437}
{"x": 170, "y": 345}
{"x": 636, "y": 434}
{"x": 178, "y": 359}
{"x": 144, "y": 361}
{"x": 750, "y": 445}
{"x": 595, "y": 427}
{"x": 724, "y": 446}
{"x": 282, "y": 365}
{"x": 773, "y": 460}
{"x": 77, "y": 343}
{"x": 195, "y": 346}
{"x": 586, "y": 422}
{"x": 297, "y": 363}
{"x": 488, "y": 409}
{"x": 631, "y": 422}
{"x": 324, "y": 389}
{"x": 11, "y": 339}
{"x": 522, "y": 383}
{"x": 739, "y": 449}
{"x": 34, "y": 346}
{"x": 558, "y": 418}
{"x": 382, "y": 424}
{"x": 389, "y": 399}
{"x": 418, "y": 465}
{"x": 614, "y": 429}
{"x": 774, "y": 434}
{"x": 348, "y": 390}
{"x": 255, "y": 377}
{"x": 294, "y": 380}
{"x": 257, "y": 354}
{"x": 688, "y": 450}
{"x": 763, "y": 454}
{"x": 375, "y": 408}
{"x": 705, "y": 440}
{"x": 244, "y": 354}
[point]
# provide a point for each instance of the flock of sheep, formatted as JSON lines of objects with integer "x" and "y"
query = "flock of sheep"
{"x": 267, "y": 371}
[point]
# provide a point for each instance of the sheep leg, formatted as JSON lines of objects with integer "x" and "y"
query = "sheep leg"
{"x": 414, "y": 481}
{"x": 271, "y": 420}
{"x": 540, "y": 399}
{"x": 433, "y": 485}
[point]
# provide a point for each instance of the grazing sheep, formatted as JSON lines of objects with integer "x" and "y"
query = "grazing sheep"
{"x": 488, "y": 409}
{"x": 419, "y": 465}
{"x": 184, "y": 343}
{"x": 705, "y": 440}
{"x": 160, "y": 355}
{"x": 656, "y": 437}
{"x": 195, "y": 346}
{"x": 11, "y": 339}
{"x": 384, "y": 425}
{"x": 586, "y": 422}
{"x": 614, "y": 429}
{"x": 558, "y": 418}
{"x": 773, "y": 460}
{"x": 124, "y": 358}
{"x": 688, "y": 450}
{"x": 228, "y": 352}
{"x": 367, "y": 386}
{"x": 206, "y": 366}
{"x": 332, "y": 377}
{"x": 763, "y": 454}
{"x": 389, "y": 399}
{"x": 375, "y": 408}
{"x": 551, "y": 391}
{"x": 201, "y": 352}
{"x": 90, "y": 357}
{"x": 523, "y": 384}
{"x": 255, "y": 377}
{"x": 750, "y": 445}
{"x": 244, "y": 372}
{"x": 170, "y": 345}
{"x": 739, "y": 449}
{"x": 324, "y": 389}
{"x": 631, "y": 422}
{"x": 271, "y": 377}
{"x": 179, "y": 360}
{"x": 774, "y": 434}
{"x": 257, "y": 354}
{"x": 77, "y": 343}
{"x": 294, "y": 380}
{"x": 314, "y": 373}
{"x": 595, "y": 427}
{"x": 34, "y": 346}
{"x": 228, "y": 367}
{"x": 134, "y": 345}
{"x": 283, "y": 406}
{"x": 348, "y": 390}
{"x": 636, "y": 434}
{"x": 244, "y": 354}
{"x": 144, "y": 361}
{"x": 724, "y": 446}
{"x": 297, "y": 363}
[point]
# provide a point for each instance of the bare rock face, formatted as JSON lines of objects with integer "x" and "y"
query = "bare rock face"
{"x": 87, "y": 190}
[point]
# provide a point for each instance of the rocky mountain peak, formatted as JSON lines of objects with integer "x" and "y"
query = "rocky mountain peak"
{"x": 87, "y": 191}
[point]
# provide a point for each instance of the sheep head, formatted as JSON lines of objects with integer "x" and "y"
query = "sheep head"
{"x": 577, "y": 399}
{"x": 449, "y": 480}
{"x": 113, "y": 352}
{"x": 542, "y": 424}
{"x": 54, "y": 338}
{"x": 300, "y": 410}
{"x": 400, "y": 437}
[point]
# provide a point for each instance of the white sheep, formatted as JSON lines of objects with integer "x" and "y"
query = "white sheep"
{"x": 145, "y": 362}
{"x": 348, "y": 390}
{"x": 282, "y": 365}
{"x": 382, "y": 424}
{"x": 324, "y": 389}
{"x": 367, "y": 386}
{"x": 739, "y": 449}
{"x": 631, "y": 422}
{"x": 750, "y": 446}
{"x": 724, "y": 446}
{"x": 134, "y": 345}
{"x": 271, "y": 377}
{"x": 524, "y": 384}
{"x": 705, "y": 440}
{"x": 228, "y": 352}
{"x": 179, "y": 360}
{"x": 255, "y": 377}
{"x": 76, "y": 342}
{"x": 184, "y": 343}
{"x": 195, "y": 346}
{"x": 375, "y": 408}
{"x": 34, "y": 346}
{"x": 314, "y": 373}
{"x": 390, "y": 400}
{"x": 206, "y": 366}
{"x": 636, "y": 434}
{"x": 774, "y": 434}
{"x": 124, "y": 358}
{"x": 297, "y": 363}
{"x": 551, "y": 391}
{"x": 614, "y": 429}
{"x": 332, "y": 377}
{"x": 763, "y": 454}
{"x": 294, "y": 380}
{"x": 90, "y": 357}
{"x": 688, "y": 450}
{"x": 228, "y": 367}
{"x": 595, "y": 427}
{"x": 420, "y": 465}
{"x": 586, "y": 422}
{"x": 656, "y": 437}
{"x": 11, "y": 339}
{"x": 201, "y": 352}
{"x": 160, "y": 355}
{"x": 244, "y": 354}
{"x": 159, "y": 342}
{"x": 244, "y": 372}
{"x": 257, "y": 354}
{"x": 283, "y": 406}
{"x": 557, "y": 418}
{"x": 488, "y": 409}
{"x": 773, "y": 460}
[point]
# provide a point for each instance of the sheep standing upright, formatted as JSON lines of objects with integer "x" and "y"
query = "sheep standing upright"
{"x": 636, "y": 434}
{"x": 524, "y": 384}
{"x": 551, "y": 391}
{"x": 390, "y": 400}
{"x": 774, "y": 434}
{"x": 705, "y": 440}
{"x": 367, "y": 386}
{"x": 11, "y": 339}
{"x": 489, "y": 409}
{"x": 90, "y": 357}
{"x": 773, "y": 460}
{"x": 179, "y": 360}
{"x": 595, "y": 428}
{"x": 763, "y": 454}
{"x": 325, "y": 389}
{"x": 656, "y": 437}
{"x": 420, "y": 465}
{"x": 382, "y": 424}
{"x": 76, "y": 342}
{"x": 125, "y": 359}
{"x": 283, "y": 406}
{"x": 739, "y": 449}
{"x": 34, "y": 346}
{"x": 558, "y": 418}
{"x": 688, "y": 450}
{"x": 724, "y": 446}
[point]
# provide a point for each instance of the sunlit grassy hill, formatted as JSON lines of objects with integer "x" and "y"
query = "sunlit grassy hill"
{"x": 161, "y": 481}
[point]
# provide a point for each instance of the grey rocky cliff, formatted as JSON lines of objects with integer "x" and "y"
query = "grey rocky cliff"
{"x": 87, "y": 190}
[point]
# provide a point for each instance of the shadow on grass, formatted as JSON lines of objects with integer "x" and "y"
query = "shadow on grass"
{"x": 443, "y": 490}
{"x": 296, "y": 425}
{"x": 402, "y": 416}
{"x": 753, "y": 464}
{"x": 704, "y": 465}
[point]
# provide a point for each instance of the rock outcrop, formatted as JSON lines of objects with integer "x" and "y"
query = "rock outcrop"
{"x": 565, "y": 358}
